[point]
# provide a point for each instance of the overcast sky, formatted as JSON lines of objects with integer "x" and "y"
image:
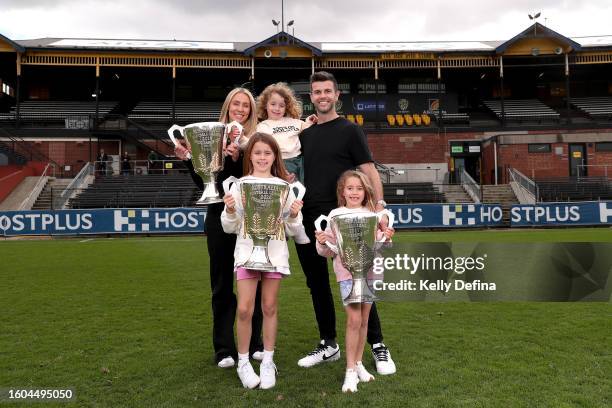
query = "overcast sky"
{"x": 315, "y": 20}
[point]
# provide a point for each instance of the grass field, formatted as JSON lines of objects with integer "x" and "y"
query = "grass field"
{"x": 127, "y": 323}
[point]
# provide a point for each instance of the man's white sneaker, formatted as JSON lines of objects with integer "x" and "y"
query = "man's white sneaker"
{"x": 382, "y": 357}
{"x": 350, "y": 381}
{"x": 258, "y": 355}
{"x": 267, "y": 373}
{"x": 322, "y": 354}
{"x": 362, "y": 373}
{"x": 227, "y": 362}
{"x": 247, "y": 375}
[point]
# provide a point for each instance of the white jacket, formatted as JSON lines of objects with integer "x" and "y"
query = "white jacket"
{"x": 277, "y": 249}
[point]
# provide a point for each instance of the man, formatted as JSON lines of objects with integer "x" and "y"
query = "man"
{"x": 331, "y": 147}
{"x": 102, "y": 159}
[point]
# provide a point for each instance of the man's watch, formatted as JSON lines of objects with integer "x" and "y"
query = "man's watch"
{"x": 382, "y": 202}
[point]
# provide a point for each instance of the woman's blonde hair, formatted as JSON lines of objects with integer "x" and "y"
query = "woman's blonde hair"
{"x": 368, "y": 196}
{"x": 293, "y": 108}
{"x": 278, "y": 166}
{"x": 250, "y": 122}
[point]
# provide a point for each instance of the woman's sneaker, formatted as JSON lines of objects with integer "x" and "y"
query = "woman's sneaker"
{"x": 362, "y": 373}
{"x": 382, "y": 357}
{"x": 267, "y": 374}
{"x": 350, "y": 381}
{"x": 322, "y": 354}
{"x": 247, "y": 375}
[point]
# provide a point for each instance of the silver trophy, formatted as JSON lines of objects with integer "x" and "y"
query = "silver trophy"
{"x": 263, "y": 202}
{"x": 207, "y": 141}
{"x": 356, "y": 245}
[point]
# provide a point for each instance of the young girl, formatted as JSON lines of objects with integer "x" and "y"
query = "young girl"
{"x": 261, "y": 162}
{"x": 280, "y": 113}
{"x": 354, "y": 195}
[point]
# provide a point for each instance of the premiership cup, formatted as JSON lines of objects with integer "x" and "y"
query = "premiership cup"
{"x": 263, "y": 202}
{"x": 207, "y": 141}
{"x": 356, "y": 245}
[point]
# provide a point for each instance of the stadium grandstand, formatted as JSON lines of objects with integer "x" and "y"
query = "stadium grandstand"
{"x": 524, "y": 119}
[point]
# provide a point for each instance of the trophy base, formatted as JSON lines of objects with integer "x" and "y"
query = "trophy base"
{"x": 209, "y": 200}
{"x": 361, "y": 292}
{"x": 210, "y": 195}
{"x": 259, "y": 260}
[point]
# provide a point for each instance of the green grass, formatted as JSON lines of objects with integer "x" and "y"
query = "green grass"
{"x": 127, "y": 323}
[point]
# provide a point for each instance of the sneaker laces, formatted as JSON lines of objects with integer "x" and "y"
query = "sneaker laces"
{"x": 320, "y": 349}
{"x": 381, "y": 353}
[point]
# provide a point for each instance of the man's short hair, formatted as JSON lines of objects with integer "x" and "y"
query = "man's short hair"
{"x": 322, "y": 76}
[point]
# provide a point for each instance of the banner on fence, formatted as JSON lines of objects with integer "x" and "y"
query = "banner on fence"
{"x": 103, "y": 221}
{"x": 562, "y": 214}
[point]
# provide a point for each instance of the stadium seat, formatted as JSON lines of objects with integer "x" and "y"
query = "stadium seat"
{"x": 359, "y": 119}
{"x": 350, "y": 118}
{"x": 425, "y": 119}
{"x": 399, "y": 119}
{"x": 391, "y": 120}
{"x": 408, "y": 119}
{"x": 417, "y": 119}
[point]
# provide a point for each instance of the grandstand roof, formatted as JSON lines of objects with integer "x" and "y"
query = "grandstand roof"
{"x": 317, "y": 48}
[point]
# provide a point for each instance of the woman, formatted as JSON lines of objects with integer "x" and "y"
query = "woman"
{"x": 239, "y": 106}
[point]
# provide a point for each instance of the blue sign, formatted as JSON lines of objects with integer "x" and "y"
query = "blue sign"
{"x": 562, "y": 214}
{"x": 446, "y": 215}
{"x": 104, "y": 221}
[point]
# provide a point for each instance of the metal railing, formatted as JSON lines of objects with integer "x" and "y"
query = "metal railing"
{"x": 40, "y": 185}
{"x": 138, "y": 167}
{"x": 524, "y": 182}
{"x": 471, "y": 187}
{"x": 59, "y": 201}
{"x": 582, "y": 168}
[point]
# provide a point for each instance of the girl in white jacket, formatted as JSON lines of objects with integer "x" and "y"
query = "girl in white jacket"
{"x": 262, "y": 160}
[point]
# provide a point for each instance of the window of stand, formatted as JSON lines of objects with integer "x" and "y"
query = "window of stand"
{"x": 539, "y": 148}
{"x": 603, "y": 147}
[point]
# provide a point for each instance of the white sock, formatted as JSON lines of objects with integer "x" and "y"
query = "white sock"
{"x": 243, "y": 358}
{"x": 267, "y": 357}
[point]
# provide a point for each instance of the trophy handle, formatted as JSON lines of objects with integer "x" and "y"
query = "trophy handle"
{"x": 229, "y": 126}
{"x": 391, "y": 217}
{"x": 300, "y": 188}
{"x": 227, "y": 183}
{"x": 317, "y": 224}
{"x": 171, "y": 134}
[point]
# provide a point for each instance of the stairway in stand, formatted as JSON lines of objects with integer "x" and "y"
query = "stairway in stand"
{"x": 55, "y": 186}
{"x": 501, "y": 194}
{"x": 454, "y": 193}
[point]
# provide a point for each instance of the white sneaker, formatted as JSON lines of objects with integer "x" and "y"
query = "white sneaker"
{"x": 350, "y": 381}
{"x": 267, "y": 373}
{"x": 227, "y": 362}
{"x": 322, "y": 354}
{"x": 382, "y": 357}
{"x": 300, "y": 236}
{"x": 247, "y": 375}
{"x": 362, "y": 373}
{"x": 258, "y": 355}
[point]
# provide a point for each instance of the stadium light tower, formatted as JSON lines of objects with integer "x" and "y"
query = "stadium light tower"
{"x": 534, "y": 18}
{"x": 276, "y": 23}
{"x": 290, "y": 24}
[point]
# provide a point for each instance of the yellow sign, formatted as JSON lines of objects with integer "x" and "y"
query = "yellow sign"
{"x": 576, "y": 155}
{"x": 407, "y": 56}
{"x": 168, "y": 165}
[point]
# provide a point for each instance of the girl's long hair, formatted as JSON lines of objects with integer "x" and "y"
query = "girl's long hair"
{"x": 278, "y": 167}
{"x": 293, "y": 108}
{"x": 368, "y": 197}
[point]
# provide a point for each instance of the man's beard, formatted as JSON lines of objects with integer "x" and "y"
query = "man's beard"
{"x": 331, "y": 107}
